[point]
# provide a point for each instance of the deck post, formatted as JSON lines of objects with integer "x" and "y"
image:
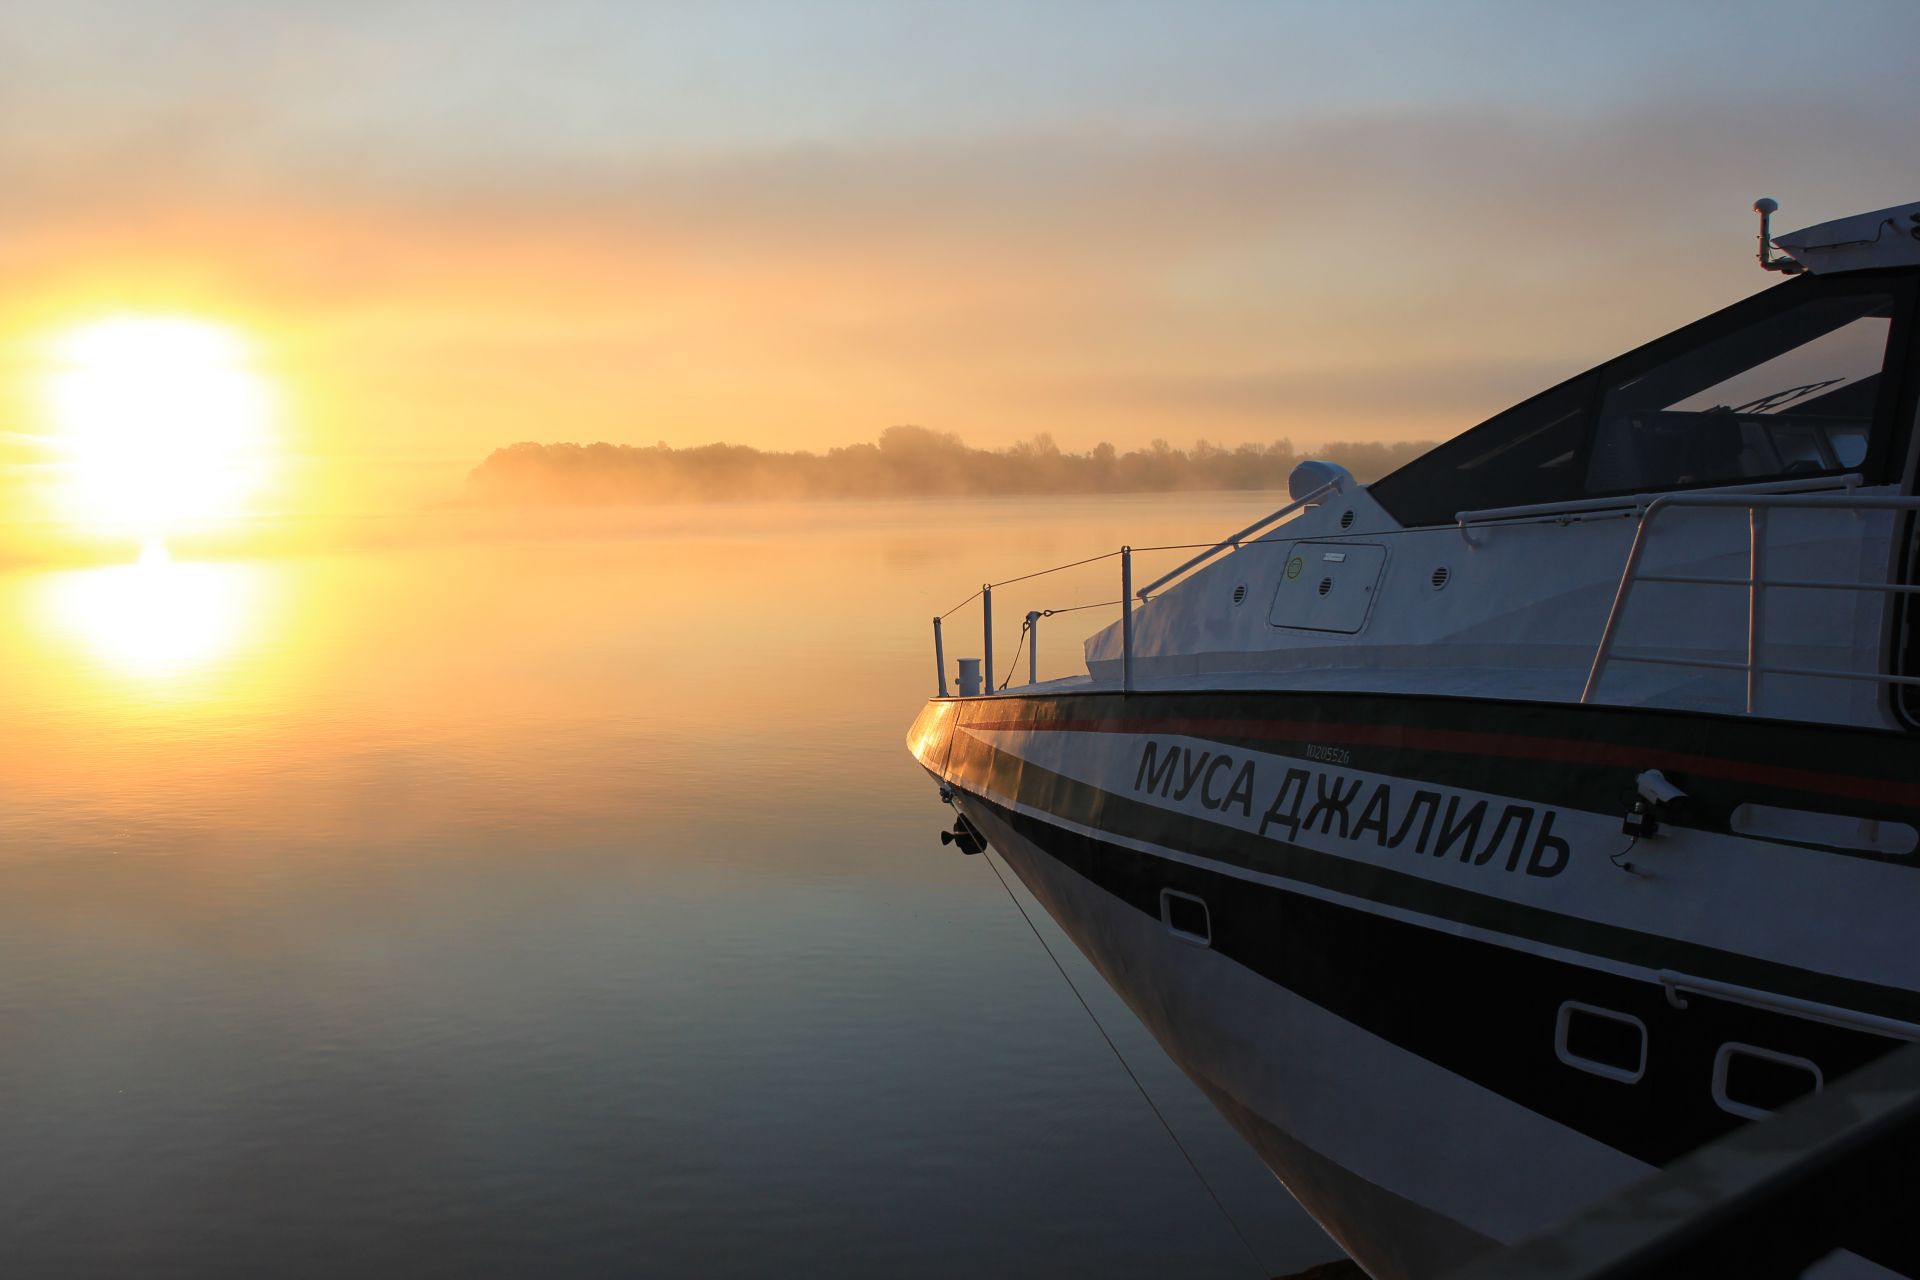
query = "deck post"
{"x": 1033, "y": 646}
{"x": 986, "y": 608}
{"x": 1126, "y": 620}
{"x": 1756, "y": 575}
{"x": 939, "y": 658}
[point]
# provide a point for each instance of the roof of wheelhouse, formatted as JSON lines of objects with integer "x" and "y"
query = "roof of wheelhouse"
{"x": 1861, "y": 242}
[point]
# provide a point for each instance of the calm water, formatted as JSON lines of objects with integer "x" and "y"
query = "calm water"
{"x": 562, "y": 901}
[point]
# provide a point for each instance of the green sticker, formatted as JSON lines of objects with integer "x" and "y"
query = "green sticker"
{"x": 1294, "y": 566}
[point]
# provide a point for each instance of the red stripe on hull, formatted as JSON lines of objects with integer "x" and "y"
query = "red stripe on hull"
{"x": 1492, "y": 745}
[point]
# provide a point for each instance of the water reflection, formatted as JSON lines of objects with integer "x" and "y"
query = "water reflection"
{"x": 156, "y": 620}
{"x": 561, "y": 900}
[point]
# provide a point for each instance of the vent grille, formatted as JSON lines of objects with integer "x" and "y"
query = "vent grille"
{"x": 1326, "y": 585}
{"x": 1240, "y": 593}
{"x": 1441, "y": 575}
{"x": 1346, "y": 519}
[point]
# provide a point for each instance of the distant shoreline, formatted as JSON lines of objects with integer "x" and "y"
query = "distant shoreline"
{"x": 905, "y": 462}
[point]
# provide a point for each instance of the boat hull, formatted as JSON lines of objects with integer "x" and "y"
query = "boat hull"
{"x": 1403, "y": 897}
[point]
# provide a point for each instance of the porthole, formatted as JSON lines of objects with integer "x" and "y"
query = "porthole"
{"x": 1240, "y": 593}
{"x": 1346, "y": 519}
{"x": 1753, "y": 1082}
{"x": 1601, "y": 1042}
{"x": 1186, "y": 917}
{"x": 1326, "y": 585}
{"x": 1441, "y": 576}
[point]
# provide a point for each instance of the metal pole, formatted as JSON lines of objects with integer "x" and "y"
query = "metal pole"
{"x": 1235, "y": 540}
{"x": 1126, "y": 620}
{"x": 1033, "y": 646}
{"x": 1619, "y": 600}
{"x": 939, "y": 658}
{"x": 1756, "y": 570}
{"x": 986, "y": 607}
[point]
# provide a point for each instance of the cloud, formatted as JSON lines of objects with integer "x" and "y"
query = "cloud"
{"x": 1396, "y": 272}
{"x": 1419, "y": 393}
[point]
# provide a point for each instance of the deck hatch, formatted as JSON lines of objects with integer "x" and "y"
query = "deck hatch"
{"x": 1328, "y": 586}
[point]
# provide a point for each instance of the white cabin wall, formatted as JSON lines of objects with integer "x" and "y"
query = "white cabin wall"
{"x": 1534, "y": 597}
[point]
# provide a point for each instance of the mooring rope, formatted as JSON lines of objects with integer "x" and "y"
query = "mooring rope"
{"x": 987, "y": 855}
{"x": 1026, "y": 625}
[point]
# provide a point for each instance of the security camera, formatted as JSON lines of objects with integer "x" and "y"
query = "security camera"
{"x": 1659, "y": 801}
{"x": 1658, "y": 792}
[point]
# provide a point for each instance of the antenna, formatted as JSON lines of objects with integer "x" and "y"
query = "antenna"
{"x": 1766, "y": 207}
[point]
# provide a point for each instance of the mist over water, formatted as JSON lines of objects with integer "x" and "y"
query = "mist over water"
{"x": 904, "y": 461}
{"x": 559, "y": 897}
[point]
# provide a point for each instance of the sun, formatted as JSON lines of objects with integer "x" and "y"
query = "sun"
{"x": 161, "y": 422}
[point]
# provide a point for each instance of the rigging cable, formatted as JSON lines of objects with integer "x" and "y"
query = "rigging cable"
{"x": 963, "y": 604}
{"x": 1041, "y": 573}
{"x": 987, "y": 856}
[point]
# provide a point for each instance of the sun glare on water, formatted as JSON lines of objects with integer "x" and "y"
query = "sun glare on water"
{"x": 154, "y": 619}
{"x": 161, "y": 423}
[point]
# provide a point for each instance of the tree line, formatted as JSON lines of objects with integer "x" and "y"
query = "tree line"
{"x": 906, "y": 461}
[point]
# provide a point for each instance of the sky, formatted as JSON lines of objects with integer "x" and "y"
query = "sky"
{"x": 452, "y": 226}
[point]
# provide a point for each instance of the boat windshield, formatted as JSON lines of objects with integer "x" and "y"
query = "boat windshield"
{"x": 1527, "y": 454}
{"x": 1792, "y": 394}
{"x": 1784, "y": 385}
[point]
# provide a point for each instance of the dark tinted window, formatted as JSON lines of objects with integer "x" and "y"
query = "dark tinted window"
{"x": 1792, "y": 393}
{"x": 1528, "y": 454}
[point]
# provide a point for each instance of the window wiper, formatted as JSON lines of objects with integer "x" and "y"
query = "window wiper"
{"x": 1782, "y": 398}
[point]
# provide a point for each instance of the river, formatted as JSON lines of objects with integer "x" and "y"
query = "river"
{"x": 489, "y": 897}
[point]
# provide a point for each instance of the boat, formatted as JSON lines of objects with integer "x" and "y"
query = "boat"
{"x": 1486, "y": 838}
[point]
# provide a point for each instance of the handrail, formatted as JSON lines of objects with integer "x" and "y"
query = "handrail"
{"x": 1235, "y": 540}
{"x": 1627, "y": 502}
{"x": 1756, "y": 506}
{"x": 1029, "y": 629}
{"x": 1833, "y": 1015}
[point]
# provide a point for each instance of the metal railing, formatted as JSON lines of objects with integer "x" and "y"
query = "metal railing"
{"x": 1637, "y": 503}
{"x": 1029, "y": 631}
{"x": 1756, "y": 582}
{"x": 1030, "y": 628}
{"x": 1233, "y": 541}
{"x": 1678, "y": 986}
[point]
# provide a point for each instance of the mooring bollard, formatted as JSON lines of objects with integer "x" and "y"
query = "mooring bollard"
{"x": 969, "y": 677}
